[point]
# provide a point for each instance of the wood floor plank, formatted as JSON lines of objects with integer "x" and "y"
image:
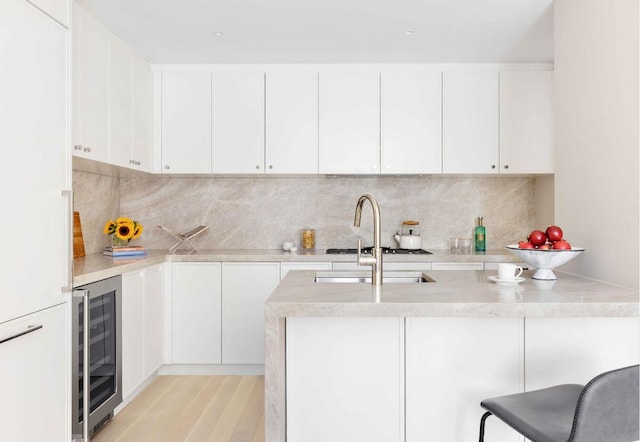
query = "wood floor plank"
{"x": 232, "y": 412}
{"x": 192, "y": 408}
{"x": 249, "y": 419}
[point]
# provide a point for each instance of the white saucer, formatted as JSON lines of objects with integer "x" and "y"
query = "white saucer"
{"x": 517, "y": 280}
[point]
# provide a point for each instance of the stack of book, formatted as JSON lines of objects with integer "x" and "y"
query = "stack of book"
{"x": 128, "y": 251}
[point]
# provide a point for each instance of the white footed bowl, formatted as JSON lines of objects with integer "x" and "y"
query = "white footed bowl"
{"x": 545, "y": 260}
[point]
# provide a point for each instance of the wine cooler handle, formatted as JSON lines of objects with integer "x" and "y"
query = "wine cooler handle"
{"x": 84, "y": 294}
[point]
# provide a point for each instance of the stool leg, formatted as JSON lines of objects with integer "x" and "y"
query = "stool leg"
{"x": 484, "y": 418}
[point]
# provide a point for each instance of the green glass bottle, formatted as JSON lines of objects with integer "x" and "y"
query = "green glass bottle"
{"x": 480, "y": 237}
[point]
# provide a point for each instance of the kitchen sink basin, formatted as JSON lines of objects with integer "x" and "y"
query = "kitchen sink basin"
{"x": 365, "y": 277}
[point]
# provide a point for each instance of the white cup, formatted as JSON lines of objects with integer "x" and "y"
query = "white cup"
{"x": 287, "y": 245}
{"x": 508, "y": 272}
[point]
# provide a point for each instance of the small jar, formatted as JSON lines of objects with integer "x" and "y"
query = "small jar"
{"x": 308, "y": 239}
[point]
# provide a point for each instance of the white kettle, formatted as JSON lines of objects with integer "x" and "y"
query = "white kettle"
{"x": 409, "y": 236}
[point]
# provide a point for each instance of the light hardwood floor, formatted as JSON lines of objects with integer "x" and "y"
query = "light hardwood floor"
{"x": 192, "y": 408}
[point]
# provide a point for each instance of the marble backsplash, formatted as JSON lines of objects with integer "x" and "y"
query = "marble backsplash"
{"x": 262, "y": 212}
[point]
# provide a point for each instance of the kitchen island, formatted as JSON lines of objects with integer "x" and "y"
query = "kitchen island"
{"x": 411, "y": 362}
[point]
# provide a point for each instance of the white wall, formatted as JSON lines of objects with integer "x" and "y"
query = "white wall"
{"x": 597, "y": 118}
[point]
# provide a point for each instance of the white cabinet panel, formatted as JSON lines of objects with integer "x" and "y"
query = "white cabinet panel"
{"x": 152, "y": 331}
{"x": 186, "y": 122}
{"x": 195, "y": 313}
{"x": 91, "y": 49}
{"x": 120, "y": 91}
{"x": 574, "y": 350}
{"x": 451, "y": 365}
{"x": 291, "y": 144}
{"x": 470, "y": 122}
{"x": 411, "y": 122}
{"x": 349, "y": 122}
{"x": 33, "y": 136}
{"x": 526, "y": 122}
{"x": 286, "y": 266}
{"x": 132, "y": 331}
{"x": 345, "y": 379}
{"x": 238, "y": 122}
{"x": 34, "y": 377}
{"x": 245, "y": 288}
{"x": 142, "y": 114}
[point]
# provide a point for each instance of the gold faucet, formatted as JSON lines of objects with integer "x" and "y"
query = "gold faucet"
{"x": 375, "y": 260}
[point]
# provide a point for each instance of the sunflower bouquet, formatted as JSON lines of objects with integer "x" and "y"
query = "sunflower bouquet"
{"x": 123, "y": 230}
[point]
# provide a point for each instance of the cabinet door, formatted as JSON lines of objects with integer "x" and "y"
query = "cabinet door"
{"x": 291, "y": 122}
{"x": 33, "y": 136}
{"x": 345, "y": 379}
{"x": 142, "y": 108}
{"x": 186, "y": 122}
{"x": 34, "y": 377}
{"x": 451, "y": 365}
{"x": 195, "y": 313}
{"x": 411, "y": 122}
{"x": 470, "y": 122}
{"x": 152, "y": 319}
{"x": 349, "y": 122}
{"x": 132, "y": 334}
{"x": 120, "y": 90}
{"x": 526, "y": 122}
{"x": 238, "y": 122}
{"x": 574, "y": 350}
{"x": 245, "y": 288}
{"x": 91, "y": 48}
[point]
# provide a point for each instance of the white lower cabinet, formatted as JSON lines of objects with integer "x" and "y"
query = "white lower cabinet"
{"x": 451, "y": 365}
{"x": 34, "y": 377}
{"x": 195, "y": 313}
{"x": 345, "y": 379}
{"x": 245, "y": 288}
{"x": 574, "y": 350}
{"x": 142, "y": 309}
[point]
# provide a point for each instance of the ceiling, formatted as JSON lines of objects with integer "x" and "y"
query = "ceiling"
{"x": 332, "y": 31}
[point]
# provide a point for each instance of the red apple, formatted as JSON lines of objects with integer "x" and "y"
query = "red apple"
{"x": 554, "y": 233}
{"x": 561, "y": 245}
{"x": 545, "y": 246}
{"x": 525, "y": 245}
{"x": 537, "y": 238}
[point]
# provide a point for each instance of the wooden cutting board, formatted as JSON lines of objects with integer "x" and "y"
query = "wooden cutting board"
{"x": 78, "y": 241}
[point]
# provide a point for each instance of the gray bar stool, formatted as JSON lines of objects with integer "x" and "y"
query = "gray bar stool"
{"x": 604, "y": 410}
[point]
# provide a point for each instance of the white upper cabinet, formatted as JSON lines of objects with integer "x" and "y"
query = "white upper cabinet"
{"x": 470, "y": 113}
{"x": 238, "y": 122}
{"x": 120, "y": 89}
{"x": 186, "y": 122}
{"x": 58, "y": 9}
{"x": 91, "y": 49}
{"x": 349, "y": 122}
{"x": 411, "y": 122}
{"x": 526, "y": 122}
{"x": 142, "y": 115}
{"x": 291, "y": 144}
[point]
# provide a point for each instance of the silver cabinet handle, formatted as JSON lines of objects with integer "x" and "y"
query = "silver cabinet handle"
{"x": 506, "y": 166}
{"x": 77, "y": 147}
{"x": 68, "y": 288}
{"x": 257, "y": 166}
{"x": 493, "y": 166}
{"x": 87, "y": 149}
{"x": 30, "y": 329}
{"x": 167, "y": 167}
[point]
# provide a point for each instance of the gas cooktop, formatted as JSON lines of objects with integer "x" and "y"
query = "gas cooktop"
{"x": 385, "y": 250}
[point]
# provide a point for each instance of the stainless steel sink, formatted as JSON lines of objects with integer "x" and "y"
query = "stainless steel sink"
{"x": 365, "y": 277}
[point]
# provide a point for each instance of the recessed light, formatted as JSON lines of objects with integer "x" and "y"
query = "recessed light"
{"x": 408, "y": 32}
{"x": 218, "y": 34}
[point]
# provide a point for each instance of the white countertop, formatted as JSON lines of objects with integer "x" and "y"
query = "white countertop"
{"x": 96, "y": 266}
{"x": 454, "y": 293}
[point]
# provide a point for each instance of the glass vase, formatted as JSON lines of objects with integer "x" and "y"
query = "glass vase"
{"x": 117, "y": 242}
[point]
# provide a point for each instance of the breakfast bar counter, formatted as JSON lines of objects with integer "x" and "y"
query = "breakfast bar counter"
{"x": 452, "y": 302}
